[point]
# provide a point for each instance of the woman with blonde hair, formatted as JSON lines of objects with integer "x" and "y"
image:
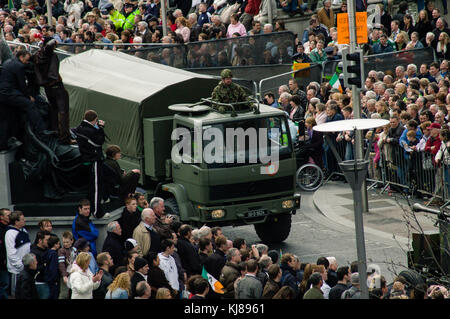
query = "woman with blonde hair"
{"x": 443, "y": 46}
{"x": 401, "y": 41}
{"x": 183, "y": 28}
{"x": 163, "y": 293}
{"x": 81, "y": 280}
{"x": 120, "y": 287}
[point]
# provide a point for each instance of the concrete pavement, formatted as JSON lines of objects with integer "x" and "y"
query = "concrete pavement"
{"x": 389, "y": 217}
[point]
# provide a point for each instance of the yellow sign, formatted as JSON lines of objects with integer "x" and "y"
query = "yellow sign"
{"x": 298, "y": 66}
{"x": 343, "y": 28}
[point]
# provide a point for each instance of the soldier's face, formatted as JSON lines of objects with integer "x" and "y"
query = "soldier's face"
{"x": 227, "y": 81}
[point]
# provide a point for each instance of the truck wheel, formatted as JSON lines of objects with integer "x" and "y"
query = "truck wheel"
{"x": 172, "y": 207}
{"x": 275, "y": 230}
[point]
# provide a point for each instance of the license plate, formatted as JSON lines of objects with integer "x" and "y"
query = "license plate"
{"x": 255, "y": 213}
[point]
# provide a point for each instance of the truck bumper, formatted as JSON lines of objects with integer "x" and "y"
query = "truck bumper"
{"x": 248, "y": 212}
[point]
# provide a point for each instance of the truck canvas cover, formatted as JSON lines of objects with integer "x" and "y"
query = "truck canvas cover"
{"x": 124, "y": 89}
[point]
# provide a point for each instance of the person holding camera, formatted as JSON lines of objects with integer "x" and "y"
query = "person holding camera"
{"x": 90, "y": 138}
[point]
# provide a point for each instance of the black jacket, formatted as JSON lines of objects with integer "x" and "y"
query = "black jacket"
{"x": 189, "y": 256}
{"x": 215, "y": 263}
{"x": 128, "y": 222}
{"x": 137, "y": 277}
{"x": 90, "y": 140}
{"x": 157, "y": 279}
{"x": 100, "y": 292}
{"x": 26, "y": 285}
{"x": 41, "y": 255}
{"x": 13, "y": 79}
{"x": 46, "y": 65}
{"x": 114, "y": 245}
{"x": 336, "y": 291}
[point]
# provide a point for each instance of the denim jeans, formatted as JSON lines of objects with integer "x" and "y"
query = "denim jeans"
{"x": 43, "y": 290}
{"x": 4, "y": 284}
{"x": 291, "y": 7}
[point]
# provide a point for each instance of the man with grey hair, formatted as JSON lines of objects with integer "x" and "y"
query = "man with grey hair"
{"x": 230, "y": 272}
{"x": 113, "y": 244}
{"x": 268, "y": 28}
{"x": 205, "y": 232}
{"x": 371, "y": 95}
{"x": 177, "y": 13}
{"x": 143, "y": 290}
{"x": 145, "y": 233}
{"x": 399, "y": 73}
{"x": 264, "y": 263}
{"x": 26, "y": 286}
{"x": 411, "y": 71}
{"x": 144, "y": 32}
{"x": 162, "y": 224}
{"x": 284, "y": 101}
{"x": 332, "y": 275}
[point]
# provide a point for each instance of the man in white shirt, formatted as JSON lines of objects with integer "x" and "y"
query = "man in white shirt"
{"x": 167, "y": 263}
{"x": 17, "y": 242}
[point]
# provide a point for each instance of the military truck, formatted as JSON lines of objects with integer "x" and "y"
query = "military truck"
{"x": 142, "y": 103}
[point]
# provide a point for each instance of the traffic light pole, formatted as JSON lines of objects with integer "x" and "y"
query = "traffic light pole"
{"x": 359, "y": 225}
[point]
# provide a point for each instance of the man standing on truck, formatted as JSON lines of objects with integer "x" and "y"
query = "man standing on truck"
{"x": 46, "y": 67}
{"x": 228, "y": 92}
{"x": 90, "y": 138}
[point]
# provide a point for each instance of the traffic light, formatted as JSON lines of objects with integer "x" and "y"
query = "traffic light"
{"x": 353, "y": 68}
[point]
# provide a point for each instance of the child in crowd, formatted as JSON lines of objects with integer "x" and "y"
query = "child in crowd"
{"x": 52, "y": 276}
{"x": 66, "y": 255}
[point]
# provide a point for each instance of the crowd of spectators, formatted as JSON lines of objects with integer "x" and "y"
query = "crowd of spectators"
{"x": 148, "y": 254}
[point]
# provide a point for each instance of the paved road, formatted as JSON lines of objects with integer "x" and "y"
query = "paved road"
{"x": 315, "y": 234}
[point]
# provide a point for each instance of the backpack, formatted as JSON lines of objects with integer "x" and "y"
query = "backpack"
{"x": 349, "y": 293}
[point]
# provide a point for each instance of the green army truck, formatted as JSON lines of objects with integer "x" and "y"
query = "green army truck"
{"x": 143, "y": 103}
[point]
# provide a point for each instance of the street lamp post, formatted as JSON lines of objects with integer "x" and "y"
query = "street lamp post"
{"x": 355, "y": 171}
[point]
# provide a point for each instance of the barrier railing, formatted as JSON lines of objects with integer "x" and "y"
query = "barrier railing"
{"x": 303, "y": 76}
{"x": 262, "y": 49}
{"x": 386, "y": 62}
{"x": 398, "y": 169}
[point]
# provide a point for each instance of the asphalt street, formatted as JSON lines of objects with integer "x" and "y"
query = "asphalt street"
{"x": 315, "y": 233}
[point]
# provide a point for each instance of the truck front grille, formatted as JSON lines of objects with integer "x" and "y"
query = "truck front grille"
{"x": 264, "y": 187}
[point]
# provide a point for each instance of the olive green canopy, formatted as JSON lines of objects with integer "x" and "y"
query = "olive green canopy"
{"x": 124, "y": 89}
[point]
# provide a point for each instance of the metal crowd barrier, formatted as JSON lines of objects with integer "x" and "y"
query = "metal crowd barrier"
{"x": 303, "y": 76}
{"x": 386, "y": 62}
{"x": 262, "y": 49}
{"x": 398, "y": 170}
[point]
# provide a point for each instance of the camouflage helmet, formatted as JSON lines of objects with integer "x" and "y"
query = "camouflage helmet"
{"x": 226, "y": 73}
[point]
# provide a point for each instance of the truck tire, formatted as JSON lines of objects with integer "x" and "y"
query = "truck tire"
{"x": 275, "y": 230}
{"x": 172, "y": 207}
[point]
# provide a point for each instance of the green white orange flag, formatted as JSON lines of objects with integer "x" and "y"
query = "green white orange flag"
{"x": 335, "y": 83}
{"x": 214, "y": 283}
{"x": 10, "y": 4}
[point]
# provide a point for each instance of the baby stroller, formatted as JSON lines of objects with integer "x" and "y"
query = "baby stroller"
{"x": 309, "y": 176}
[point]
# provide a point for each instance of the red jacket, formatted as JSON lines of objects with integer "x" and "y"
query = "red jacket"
{"x": 253, "y": 7}
{"x": 433, "y": 142}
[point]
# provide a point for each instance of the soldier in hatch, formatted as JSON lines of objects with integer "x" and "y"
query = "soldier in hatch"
{"x": 228, "y": 92}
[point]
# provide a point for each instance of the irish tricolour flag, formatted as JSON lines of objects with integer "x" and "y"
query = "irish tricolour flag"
{"x": 335, "y": 83}
{"x": 215, "y": 284}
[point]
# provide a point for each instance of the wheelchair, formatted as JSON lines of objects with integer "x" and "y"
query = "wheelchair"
{"x": 309, "y": 177}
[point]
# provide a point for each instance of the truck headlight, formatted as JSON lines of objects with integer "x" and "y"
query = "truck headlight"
{"x": 287, "y": 204}
{"x": 218, "y": 213}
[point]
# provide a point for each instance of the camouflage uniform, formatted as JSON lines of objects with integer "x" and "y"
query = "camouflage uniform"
{"x": 229, "y": 93}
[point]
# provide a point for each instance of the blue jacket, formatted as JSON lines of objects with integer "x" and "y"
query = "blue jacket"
{"x": 403, "y": 140}
{"x": 289, "y": 278}
{"x": 83, "y": 227}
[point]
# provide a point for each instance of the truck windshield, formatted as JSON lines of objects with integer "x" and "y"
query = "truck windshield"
{"x": 249, "y": 141}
